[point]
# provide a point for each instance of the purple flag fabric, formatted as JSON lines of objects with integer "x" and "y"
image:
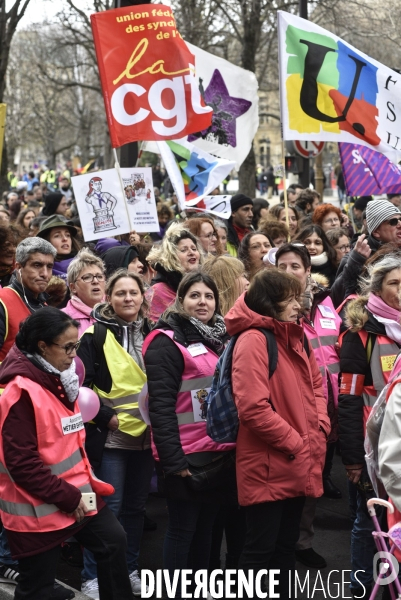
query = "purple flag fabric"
{"x": 368, "y": 172}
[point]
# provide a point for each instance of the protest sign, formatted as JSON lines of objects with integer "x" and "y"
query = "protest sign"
{"x": 147, "y": 74}
{"x": 232, "y": 92}
{"x": 368, "y": 172}
{"x": 141, "y": 203}
{"x": 330, "y": 91}
{"x": 101, "y": 205}
{"x": 105, "y": 211}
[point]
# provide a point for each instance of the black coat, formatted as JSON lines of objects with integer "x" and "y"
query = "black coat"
{"x": 164, "y": 368}
{"x": 353, "y": 359}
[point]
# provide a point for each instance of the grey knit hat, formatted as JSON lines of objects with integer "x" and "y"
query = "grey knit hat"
{"x": 379, "y": 211}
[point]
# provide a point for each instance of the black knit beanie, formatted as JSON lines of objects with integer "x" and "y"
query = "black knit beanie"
{"x": 240, "y": 200}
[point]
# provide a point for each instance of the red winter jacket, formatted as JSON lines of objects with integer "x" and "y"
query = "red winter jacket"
{"x": 281, "y": 443}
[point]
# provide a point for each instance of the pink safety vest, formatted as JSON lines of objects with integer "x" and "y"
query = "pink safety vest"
{"x": 196, "y": 382}
{"x": 60, "y": 442}
{"x": 322, "y": 336}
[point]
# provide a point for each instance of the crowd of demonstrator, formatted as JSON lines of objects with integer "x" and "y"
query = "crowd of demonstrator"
{"x": 160, "y": 309}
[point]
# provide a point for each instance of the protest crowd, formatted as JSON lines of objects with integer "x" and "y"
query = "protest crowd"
{"x": 221, "y": 352}
{"x": 312, "y": 308}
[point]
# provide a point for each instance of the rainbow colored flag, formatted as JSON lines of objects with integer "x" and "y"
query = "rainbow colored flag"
{"x": 194, "y": 174}
{"x": 330, "y": 91}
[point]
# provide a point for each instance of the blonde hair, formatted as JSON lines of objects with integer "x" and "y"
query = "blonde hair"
{"x": 166, "y": 253}
{"x": 225, "y": 271}
{"x": 84, "y": 258}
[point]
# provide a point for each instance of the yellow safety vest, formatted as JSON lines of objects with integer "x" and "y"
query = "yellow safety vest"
{"x": 127, "y": 381}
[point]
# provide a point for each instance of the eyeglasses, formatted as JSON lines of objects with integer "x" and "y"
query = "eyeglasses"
{"x": 344, "y": 248}
{"x": 69, "y": 348}
{"x": 394, "y": 222}
{"x": 89, "y": 277}
{"x": 210, "y": 235}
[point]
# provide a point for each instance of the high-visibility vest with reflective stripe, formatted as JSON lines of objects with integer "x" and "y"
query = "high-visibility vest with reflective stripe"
{"x": 127, "y": 380}
{"x": 15, "y": 311}
{"x": 322, "y": 340}
{"x": 63, "y": 455}
{"x": 382, "y": 360}
{"x": 196, "y": 382}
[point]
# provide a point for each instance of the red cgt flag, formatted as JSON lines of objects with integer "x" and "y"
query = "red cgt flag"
{"x": 148, "y": 75}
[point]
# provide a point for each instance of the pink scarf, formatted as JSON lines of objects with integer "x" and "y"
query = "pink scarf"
{"x": 390, "y": 317}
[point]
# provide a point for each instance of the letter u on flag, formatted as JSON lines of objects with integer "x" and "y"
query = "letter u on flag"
{"x": 147, "y": 75}
{"x": 330, "y": 91}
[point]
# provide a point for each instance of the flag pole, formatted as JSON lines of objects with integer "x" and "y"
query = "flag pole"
{"x": 118, "y": 169}
{"x": 287, "y": 218}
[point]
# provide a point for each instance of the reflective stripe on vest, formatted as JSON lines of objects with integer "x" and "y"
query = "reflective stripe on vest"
{"x": 381, "y": 363}
{"x": 126, "y": 376}
{"x": 323, "y": 340}
{"x": 57, "y": 469}
{"x": 195, "y": 384}
{"x": 322, "y": 336}
{"x": 40, "y": 510}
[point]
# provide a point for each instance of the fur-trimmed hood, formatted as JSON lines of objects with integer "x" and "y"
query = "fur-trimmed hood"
{"x": 321, "y": 280}
{"x": 358, "y": 317}
{"x": 356, "y": 314}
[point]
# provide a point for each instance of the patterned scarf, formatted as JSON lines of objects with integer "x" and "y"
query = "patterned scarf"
{"x": 214, "y": 335}
{"x": 68, "y": 378}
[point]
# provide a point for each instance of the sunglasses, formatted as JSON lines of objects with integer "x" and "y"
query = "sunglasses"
{"x": 394, "y": 222}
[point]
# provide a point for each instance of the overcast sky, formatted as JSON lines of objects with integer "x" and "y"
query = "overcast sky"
{"x": 41, "y": 10}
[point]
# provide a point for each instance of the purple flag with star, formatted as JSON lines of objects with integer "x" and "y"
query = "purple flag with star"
{"x": 368, "y": 172}
{"x": 232, "y": 92}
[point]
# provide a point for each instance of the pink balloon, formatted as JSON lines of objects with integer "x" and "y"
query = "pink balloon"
{"x": 79, "y": 370}
{"x": 88, "y": 403}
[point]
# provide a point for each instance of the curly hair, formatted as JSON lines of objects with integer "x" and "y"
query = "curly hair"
{"x": 166, "y": 254}
{"x": 322, "y": 211}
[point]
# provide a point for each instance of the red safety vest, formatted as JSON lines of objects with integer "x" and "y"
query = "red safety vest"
{"x": 323, "y": 335}
{"x": 60, "y": 437}
{"x": 196, "y": 382}
{"x": 16, "y": 311}
{"x": 381, "y": 362}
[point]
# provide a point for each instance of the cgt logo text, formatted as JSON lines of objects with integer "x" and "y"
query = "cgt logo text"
{"x": 239, "y": 584}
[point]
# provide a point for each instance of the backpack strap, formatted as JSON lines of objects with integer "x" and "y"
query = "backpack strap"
{"x": 99, "y": 338}
{"x": 271, "y": 350}
{"x": 306, "y": 345}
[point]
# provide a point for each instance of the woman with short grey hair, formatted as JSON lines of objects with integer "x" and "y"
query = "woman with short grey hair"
{"x": 86, "y": 280}
{"x": 368, "y": 352}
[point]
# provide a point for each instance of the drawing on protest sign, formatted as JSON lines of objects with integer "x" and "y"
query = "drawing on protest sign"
{"x": 101, "y": 205}
{"x": 141, "y": 203}
{"x": 105, "y": 211}
{"x": 147, "y": 74}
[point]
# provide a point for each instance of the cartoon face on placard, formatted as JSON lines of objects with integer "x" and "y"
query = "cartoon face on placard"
{"x": 101, "y": 205}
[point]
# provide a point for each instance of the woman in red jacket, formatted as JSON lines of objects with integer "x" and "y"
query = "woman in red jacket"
{"x": 45, "y": 469}
{"x": 283, "y": 427}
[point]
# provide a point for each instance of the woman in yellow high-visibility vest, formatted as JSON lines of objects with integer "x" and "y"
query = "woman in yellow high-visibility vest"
{"x": 118, "y": 445}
